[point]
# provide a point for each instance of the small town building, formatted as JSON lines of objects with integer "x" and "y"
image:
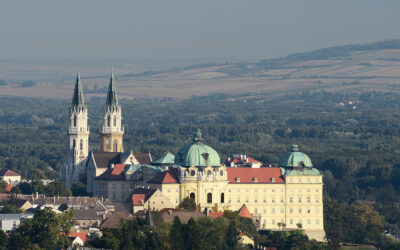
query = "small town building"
{"x": 10, "y": 176}
{"x": 9, "y": 222}
{"x": 144, "y": 198}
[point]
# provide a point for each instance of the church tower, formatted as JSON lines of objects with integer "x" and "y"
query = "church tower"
{"x": 111, "y": 133}
{"x": 78, "y": 132}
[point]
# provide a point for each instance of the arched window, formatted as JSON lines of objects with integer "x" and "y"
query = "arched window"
{"x": 115, "y": 120}
{"x": 81, "y": 145}
{"x": 192, "y": 173}
{"x": 75, "y": 118}
{"x": 209, "y": 173}
{"x": 108, "y": 121}
{"x": 115, "y": 146}
{"x": 209, "y": 198}
{"x": 192, "y": 196}
{"x": 222, "y": 197}
{"x": 73, "y": 143}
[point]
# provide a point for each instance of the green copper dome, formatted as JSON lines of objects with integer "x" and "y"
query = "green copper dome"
{"x": 197, "y": 154}
{"x": 295, "y": 159}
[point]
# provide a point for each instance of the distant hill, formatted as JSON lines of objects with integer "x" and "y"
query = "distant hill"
{"x": 358, "y": 67}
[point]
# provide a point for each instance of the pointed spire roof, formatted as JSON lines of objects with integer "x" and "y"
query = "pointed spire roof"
{"x": 244, "y": 212}
{"x": 77, "y": 98}
{"x": 112, "y": 98}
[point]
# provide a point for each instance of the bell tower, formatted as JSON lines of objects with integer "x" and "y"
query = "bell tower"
{"x": 111, "y": 133}
{"x": 78, "y": 132}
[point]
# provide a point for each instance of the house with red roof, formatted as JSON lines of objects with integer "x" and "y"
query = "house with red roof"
{"x": 78, "y": 238}
{"x": 241, "y": 160}
{"x": 9, "y": 176}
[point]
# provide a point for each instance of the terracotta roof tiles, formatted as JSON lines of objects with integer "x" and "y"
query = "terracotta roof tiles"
{"x": 8, "y": 172}
{"x": 167, "y": 177}
{"x": 255, "y": 175}
{"x": 244, "y": 212}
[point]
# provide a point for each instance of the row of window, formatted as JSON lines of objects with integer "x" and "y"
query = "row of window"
{"x": 291, "y": 221}
{"x": 272, "y": 190}
{"x": 306, "y": 180}
{"x": 282, "y": 210}
{"x": 273, "y": 200}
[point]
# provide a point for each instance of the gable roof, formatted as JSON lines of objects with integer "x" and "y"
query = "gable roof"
{"x": 167, "y": 158}
{"x": 81, "y": 235}
{"x": 104, "y": 159}
{"x": 244, "y": 212}
{"x": 143, "y": 158}
{"x": 141, "y": 195}
{"x": 86, "y": 214}
{"x": 248, "y": 175}
{"x": 8, "y": 172}
{"x": 167, "y": 177}
{"x": 112, "y": 221}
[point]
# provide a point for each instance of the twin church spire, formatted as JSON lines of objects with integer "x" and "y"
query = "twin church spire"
{"x": 111, "y": 132}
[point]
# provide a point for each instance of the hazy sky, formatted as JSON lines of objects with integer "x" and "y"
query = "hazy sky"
{"x": 248, "y": 29}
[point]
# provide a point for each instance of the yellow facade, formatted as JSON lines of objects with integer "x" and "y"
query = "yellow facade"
{"x": 296, "y": 201}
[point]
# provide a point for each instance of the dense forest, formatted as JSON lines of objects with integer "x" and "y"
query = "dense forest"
{"x": 352, "y": 138}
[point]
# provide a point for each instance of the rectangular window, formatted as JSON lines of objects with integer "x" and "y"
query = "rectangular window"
{"x": 317, "y": 210}
{"x": 299, "y": 210}
{"x": 255, "y": 201}
{"x": 273, "y": 190}
{"x": 282, "y": 210}
{"x": 309, "y": 210}
{"x": 308, "y": 199}
{"x": 291, "y": 221}
{"x": 169, "y": 190}
{"x": 299, "y": 199}
{"x": 238, "y": 201}
{"x": 229, "y": 201}
{"x": 255, "y": 210}
{"x": 317, "y": 222}
{"x": 265, "y": 200}
{"x": 273, "y": 221}
{"x": 291, "y": 199}
{"x": 273, "y": 210}
{"x": 291, "y": 210}
{"x": 265, "y": 211}
{"x": 308, "y": 221}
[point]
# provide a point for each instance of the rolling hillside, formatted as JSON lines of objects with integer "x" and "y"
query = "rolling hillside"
{"x": 343, "y": 68}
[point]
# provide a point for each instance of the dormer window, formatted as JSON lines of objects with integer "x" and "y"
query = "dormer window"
{"x": 255, "y": 179}
{"x": 237, "y": 179}
{"x": 272, "y": 179}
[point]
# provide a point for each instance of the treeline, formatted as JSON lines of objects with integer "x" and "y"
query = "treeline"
{"x": 352, "y": 138}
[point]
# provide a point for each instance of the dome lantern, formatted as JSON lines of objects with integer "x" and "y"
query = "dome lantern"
{"x": 197, "y": 154}
{"x": 295, "y": 159}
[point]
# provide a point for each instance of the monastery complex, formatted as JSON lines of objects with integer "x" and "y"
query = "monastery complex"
{"x": 284, "y": 196}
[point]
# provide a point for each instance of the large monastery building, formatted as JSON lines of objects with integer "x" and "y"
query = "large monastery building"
{"x": 288, "y": 195}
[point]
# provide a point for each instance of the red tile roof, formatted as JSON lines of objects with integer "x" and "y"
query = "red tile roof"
{"x": 8, "y": 188}
{"x": 166, "y": 177}
{"x": 118, "y": 169}
{"x": 244, "y": 212}
{"x": 8, "y": 172}
{"x": 115, "y": 173}
{"x": 242, "y": 234}
{"x": 141, "y": 195}
{"x": 82, "y": 235}
{"x": 252, "y": 160}
{"x": 248, "y": 175}
{"x": 215, "y": 214}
